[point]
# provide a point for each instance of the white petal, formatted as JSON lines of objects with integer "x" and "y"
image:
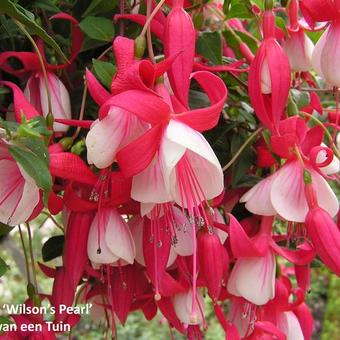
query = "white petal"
{"x": 330, "y": 54}
{"x": 60, "y": 100}
{"x": 288, "y": 193}
{"x": 184, "y": 236}
{"x": 266, "y": 83}
{"x": 254, "y": 279}
{"x": 149, "y": 186}
{"x": 325, "y": 195}
{"x": 290, "y": 326}
{"x": 182, "y": 304}
{"x": 118, "y": 237}
{"x": 105, "y": 137}
{"x": 316, "y": 57}
{"x": 257, "y": 199}
{"x": 106, "y": 256}
{"x": 179, "y": 139}
{"x": 29, "y": 200}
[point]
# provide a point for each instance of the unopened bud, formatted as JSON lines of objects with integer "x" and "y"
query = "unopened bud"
{"x": 30, "y": 290}
{"x": 66, "y": 143}
{"x": 49, "y": 120}
{"x": 140, "y": 45}
{"x": 198, "y": 20}
{"x": 268, "y": 5}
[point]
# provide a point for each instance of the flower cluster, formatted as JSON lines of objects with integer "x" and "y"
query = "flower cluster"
{"x": 151, "y": 221}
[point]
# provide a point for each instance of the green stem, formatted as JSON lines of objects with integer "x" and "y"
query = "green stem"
{"x": 31, "y": 255}
{"x": 244, "y": 145}
{"x": 151, "y": 16}
{"x": 53, "y": 220}
{"x": 23, "y": 30}
{"x": 25, "y": 254}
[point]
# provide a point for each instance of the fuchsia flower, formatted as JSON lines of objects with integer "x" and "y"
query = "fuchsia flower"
{"x": 283, "y": 192}
{"x": 299, "y": 49}
{"x": 298, "y": 46}
{"x": 35, "y": 90}
{"x": 322, "y": 230}
{"x": 269, "y": 77}
{"x": 253, "y": 276}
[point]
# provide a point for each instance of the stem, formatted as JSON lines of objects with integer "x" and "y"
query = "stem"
{"x": 121, "y": 10}
{"x": 336, "y": 113}
{"x": 148, "y": 31}
{"x": 106, "y": 51}
{"x": 329, "y": 136}
{"x": 25, "y": 254}
{"x": 245, "y": 144}
{"x": 32, "y": 255}
{"x": 53, "y": 220}
{"x": 23, "y": 29}
{"x": 82, "y": 109}
{"x": 299, "y": 156}
{"x": 151, "y": 16}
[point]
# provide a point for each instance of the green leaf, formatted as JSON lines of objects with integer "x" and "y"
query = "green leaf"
{"x": 301, "y": 98}
{"x": 233, "y": 43}
{"x": 104, "y": 71}
{"x": 98, "y": 28}
{"x": 26, "y": 18}
{"x": 48, "y": 5}
{"x": 99, "y": 6}
{"x": 53, "y": 248}
{"x": 38, "y": 147}
{"x": 209, "y": 45}
{"x": 35, "y": 166}
{"x": 240, "y": 10}
{"x": 4, "y": 320}
{"x": 3, "y": 267}
{"x": 4, "y": 229}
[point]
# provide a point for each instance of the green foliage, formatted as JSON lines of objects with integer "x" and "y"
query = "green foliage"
{"x": 104, "y": 71}
{"x": 98, "y": 28}
{"x": 27, "y": 18}
{"x": 209, "y": 45}
{"x": 53, "y": 248}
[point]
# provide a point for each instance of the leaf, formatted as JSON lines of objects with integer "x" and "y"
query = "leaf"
{"x": 240, "y": 10}
{"x": 26, "y": 18}
{"x": 233, "y": 43}
{"x": 4, "y": 229}
{"x": 48, "y": 5}
{"x": 38, "y": 147}
{"x": 4, "y": 320}
{"x": 35, "y": 166}
{"x": 104, "y": 71}
{"x": 301, "y": 98}
{"x": 98, "y": 28}
{"x": 209, "y": 45}
{"x": 53, "y": 248}
{"x": 3, "y": 267}
{"x": 99, "y": 6}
